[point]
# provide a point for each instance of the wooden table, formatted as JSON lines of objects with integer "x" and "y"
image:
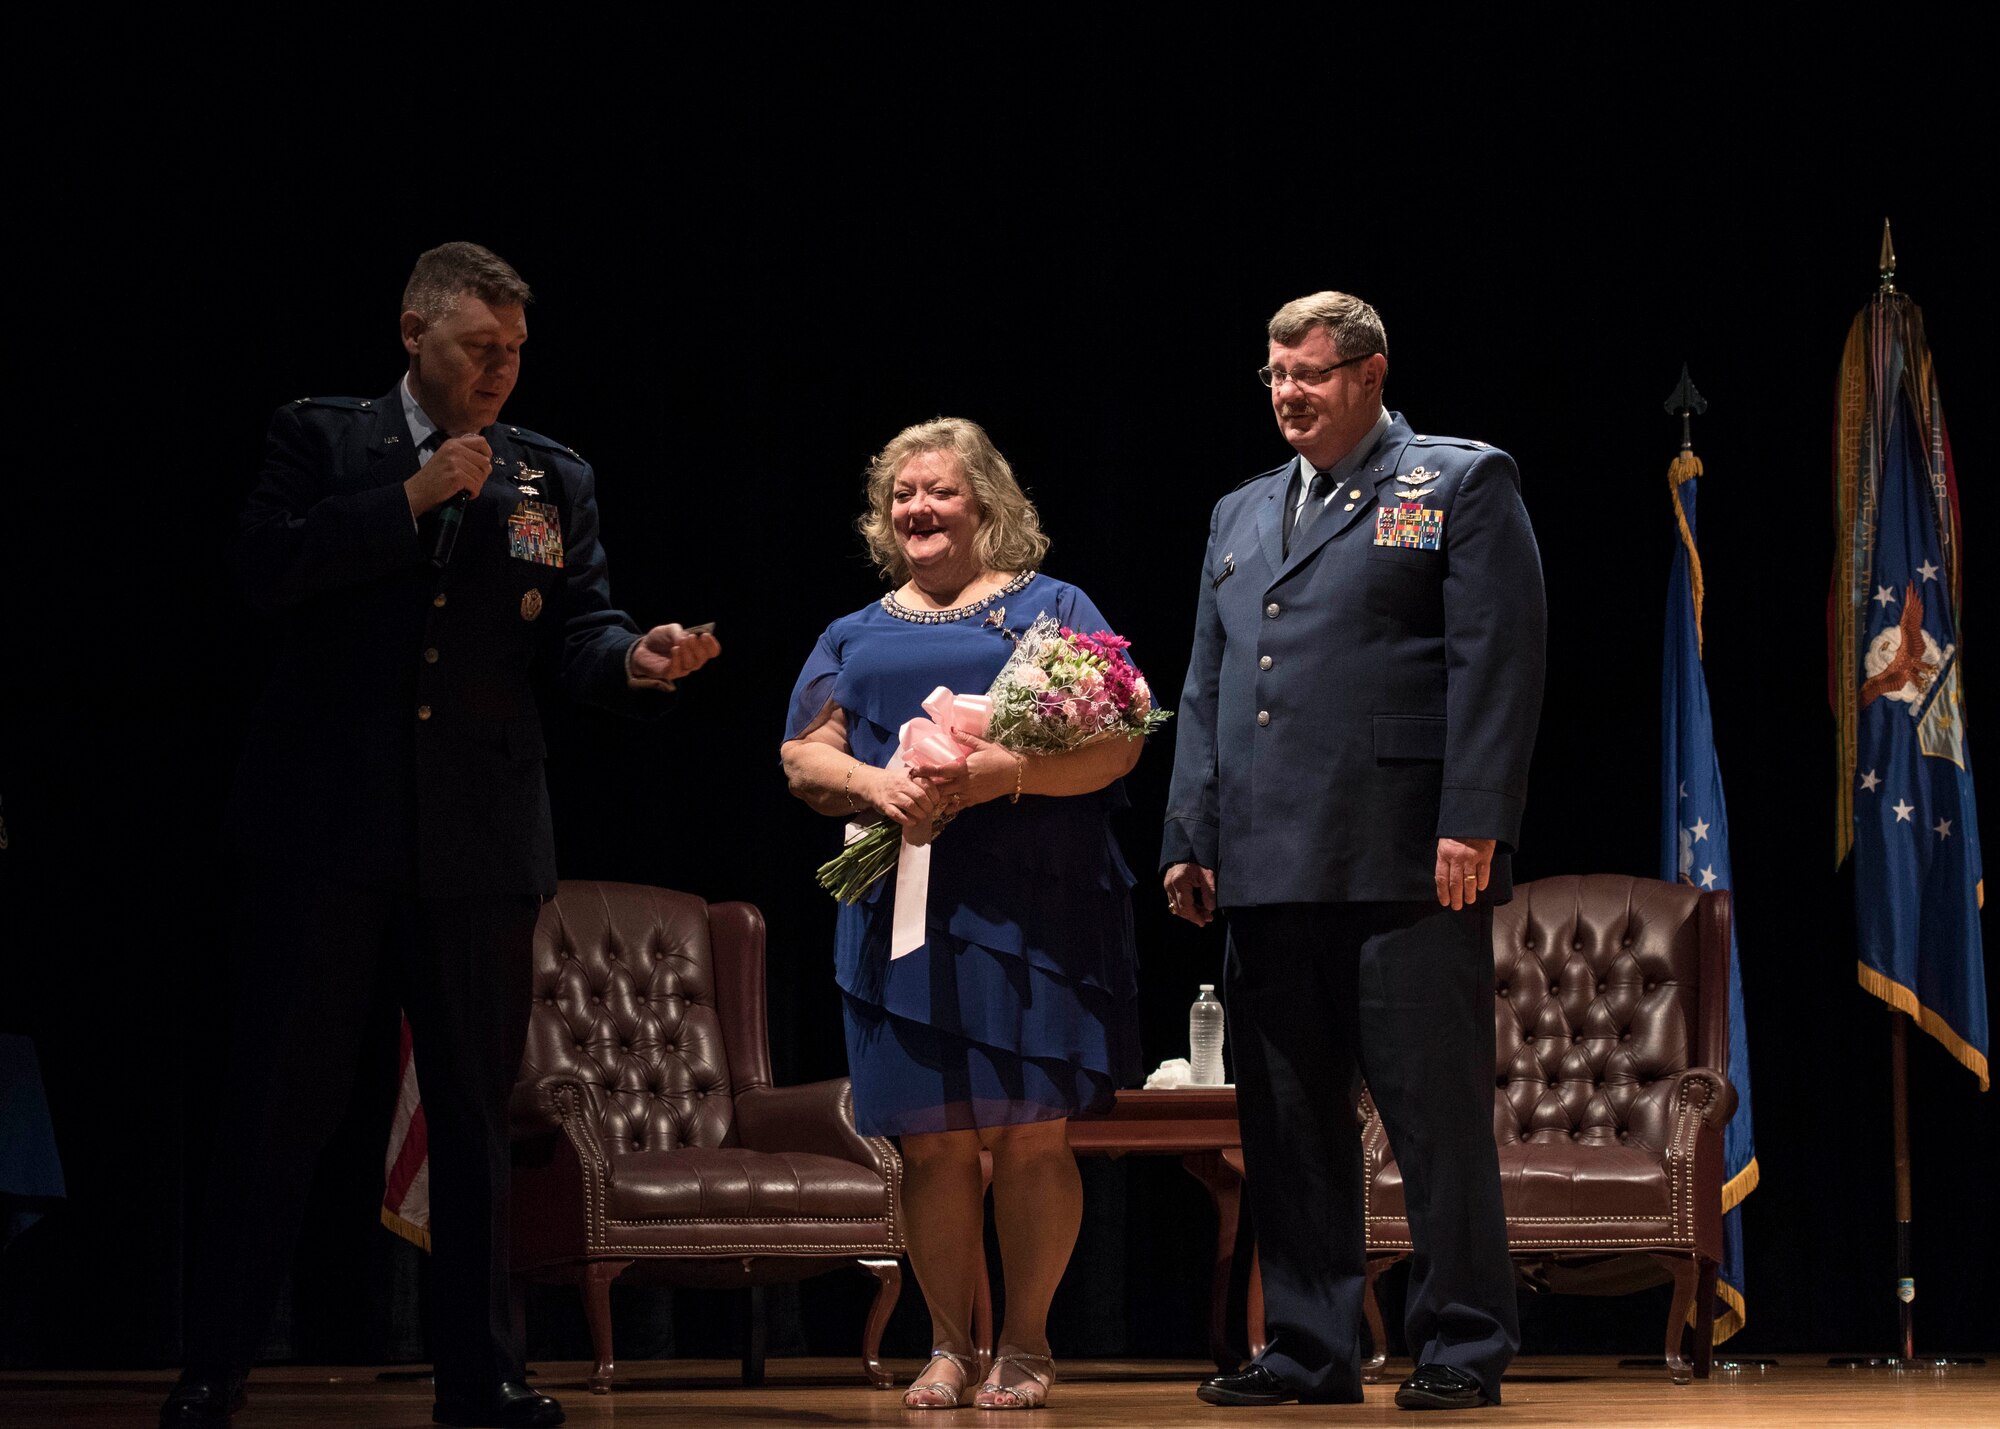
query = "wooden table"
{"x": 1199, "y": 1125}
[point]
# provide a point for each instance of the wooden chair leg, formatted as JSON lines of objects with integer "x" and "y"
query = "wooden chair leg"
{"x": 1704, "y": 1319}
{"x": 1686, "y": 1281}
{"x": 597, "y": 1278}
{"x": 756, "y": 1336}
{"x": 1371, "y": 1311}
{"x": 889, "y": 1277}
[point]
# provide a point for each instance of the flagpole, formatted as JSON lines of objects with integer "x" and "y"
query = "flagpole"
{"x": 1905, "y": 1356}
{"x": 1899, "y": 1120}
{"x": 1899, "y": 1030}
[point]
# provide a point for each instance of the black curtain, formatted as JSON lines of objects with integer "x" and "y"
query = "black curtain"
{"x": 757, "y": 257}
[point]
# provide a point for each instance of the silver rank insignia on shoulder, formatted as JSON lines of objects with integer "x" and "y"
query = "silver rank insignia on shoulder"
{"x": 531, "y": 604}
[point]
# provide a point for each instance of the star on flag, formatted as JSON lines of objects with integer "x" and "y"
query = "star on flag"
{"x": 1884, "y": 596}
{"x": 1871, "y": 781}
{"x": 1927, "y": 571}
{"x": 1708, "y": 877}
{"x": 1944, "y": 828}
{"x": 1903, "y": 811}
{"x": 1700, "y": 830}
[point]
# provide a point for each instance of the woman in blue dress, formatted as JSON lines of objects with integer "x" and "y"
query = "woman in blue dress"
{"x": 1020, "y": 1008}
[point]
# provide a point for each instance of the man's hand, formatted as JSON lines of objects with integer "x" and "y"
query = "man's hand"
{"x": 1191, "y": 893}
{"x": 1463, "y": 868}
{"x": 461, "y": 464}
{"x": 664, "y": 653}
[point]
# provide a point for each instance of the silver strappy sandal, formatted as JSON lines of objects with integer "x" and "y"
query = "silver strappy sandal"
{"x": 943, "y": 1394}
{"x": 1007, "y": 1396}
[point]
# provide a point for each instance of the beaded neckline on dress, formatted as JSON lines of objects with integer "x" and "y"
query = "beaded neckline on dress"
{"x": 942, "y": 617}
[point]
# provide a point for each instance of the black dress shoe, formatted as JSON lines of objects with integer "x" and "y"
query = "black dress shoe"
{"x": 1439, "y": 1386}
{"x": 1255, "y": 1385}
{"x": 509, "y": 1406}
{"x": 202, "y": 1401}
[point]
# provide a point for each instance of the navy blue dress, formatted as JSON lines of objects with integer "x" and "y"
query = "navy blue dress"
{"x": 1022, "y": 1004}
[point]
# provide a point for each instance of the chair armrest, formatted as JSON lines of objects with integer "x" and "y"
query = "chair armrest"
{"x": 817, "y": 1118}
{"x": 1712, "y": 1091}
{"x": 549, "y": 1105}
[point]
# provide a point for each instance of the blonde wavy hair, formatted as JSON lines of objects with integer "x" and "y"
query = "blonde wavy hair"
{"x": 1010, "y": 533}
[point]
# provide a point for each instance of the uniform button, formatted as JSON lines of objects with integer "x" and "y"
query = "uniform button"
{"x": 423, "y": 711}
{"x": 1263, "y": 716}
{"x": 438, "y": 600}
{"x": 1348, "y": 507}
{"x": 431, "y": 656}
{"x": 1264, "y": 663}
{"x": 1272, "y": 610}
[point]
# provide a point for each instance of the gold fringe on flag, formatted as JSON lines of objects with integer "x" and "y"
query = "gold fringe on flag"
{"x": 1686, "y": 467}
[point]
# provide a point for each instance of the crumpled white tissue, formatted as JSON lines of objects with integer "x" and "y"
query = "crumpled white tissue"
{"x": 1174, "y": 1072}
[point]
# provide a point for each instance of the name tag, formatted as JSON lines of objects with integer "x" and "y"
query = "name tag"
{"x": 534, "y": 533}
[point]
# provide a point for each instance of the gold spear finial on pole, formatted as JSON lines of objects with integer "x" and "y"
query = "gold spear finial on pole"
{"x": 1887, "y": 264}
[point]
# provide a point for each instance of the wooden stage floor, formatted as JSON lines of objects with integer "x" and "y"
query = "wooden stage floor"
{"x": 1801, "y": 1390}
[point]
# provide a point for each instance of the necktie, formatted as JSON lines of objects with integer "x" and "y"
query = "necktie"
{"x": 1296, "y": 517}
{"x": 429, "y": 445}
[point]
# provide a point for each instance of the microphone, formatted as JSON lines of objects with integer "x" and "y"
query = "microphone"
{"x": 451, "y": 516}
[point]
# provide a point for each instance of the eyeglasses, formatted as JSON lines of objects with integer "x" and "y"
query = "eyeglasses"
{"x": 1306, "y": 376}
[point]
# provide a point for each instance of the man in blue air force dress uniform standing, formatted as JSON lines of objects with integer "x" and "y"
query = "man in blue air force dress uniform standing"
{"x": 390, "y": 820}
{"x": 1351, "y": 768}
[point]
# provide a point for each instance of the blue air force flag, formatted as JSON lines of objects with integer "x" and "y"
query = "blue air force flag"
{"x": 1915, "y": 829}
{"x": 1694, "y": 848}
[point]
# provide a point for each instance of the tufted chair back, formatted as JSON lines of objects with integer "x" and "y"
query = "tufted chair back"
{"x": 1611, "y": 1042}
{"x": 1599, "y": 1003}
{"x": 626, "y": 1007}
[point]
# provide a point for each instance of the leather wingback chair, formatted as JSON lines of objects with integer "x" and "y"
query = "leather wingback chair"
{"x": 1611, "y": 1014}
{"x": 649, "y": 1139}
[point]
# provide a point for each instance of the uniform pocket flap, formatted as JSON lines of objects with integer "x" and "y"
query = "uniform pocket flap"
{"x": 1409, "y": 736}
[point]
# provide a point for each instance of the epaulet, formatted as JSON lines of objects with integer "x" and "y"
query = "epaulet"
{"x": 1466, "y": 443}
{"x": 536, "y": 439}
{"x": 1274, "y": 471}
{"x": 346, "y": 404}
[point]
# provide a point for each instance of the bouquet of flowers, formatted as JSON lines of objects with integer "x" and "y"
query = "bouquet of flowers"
{"x": 1059, "y": 690}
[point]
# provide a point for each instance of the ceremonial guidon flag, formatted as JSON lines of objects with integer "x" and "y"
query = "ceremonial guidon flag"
{"x": 406, "y": 1171}
{"x": 1694, "y": 848}
{"x": 1906, "y": 807}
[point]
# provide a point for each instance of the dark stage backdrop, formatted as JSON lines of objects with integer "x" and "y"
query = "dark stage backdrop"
{"x": 754, "y": 266}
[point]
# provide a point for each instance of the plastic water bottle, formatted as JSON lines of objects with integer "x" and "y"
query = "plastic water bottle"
{"x": 1205, "y": 1038}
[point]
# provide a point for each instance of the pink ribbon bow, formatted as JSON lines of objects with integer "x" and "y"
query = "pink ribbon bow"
{"x": 928, "y": 743}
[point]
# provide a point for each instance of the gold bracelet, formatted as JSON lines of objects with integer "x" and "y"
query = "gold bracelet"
{"x": 847, "y": 789}
{"x": 1020, "y": 768}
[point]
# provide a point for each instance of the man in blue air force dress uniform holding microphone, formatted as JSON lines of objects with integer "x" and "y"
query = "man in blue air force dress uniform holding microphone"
{"x": 390, "y": 819}
{"x": 1351, "y": 769}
